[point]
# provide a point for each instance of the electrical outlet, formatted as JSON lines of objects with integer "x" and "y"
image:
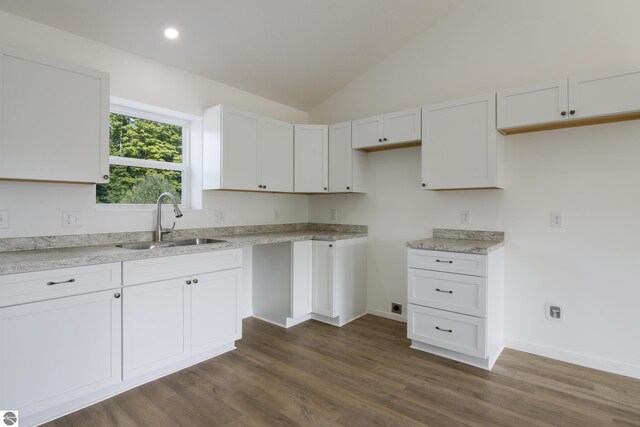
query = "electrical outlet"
{"x": 396, "y": 308}
{"x": 334, "y": 214}
{"x": 276, "y": 214}
{"x": 71, "y": 219}
{"x": 554, "y": 312}
{"x": 465, "y": 217}
{"x": 4, "y": 219}
{"x": 218, "y": 215}
{"x": 556, "y": 219}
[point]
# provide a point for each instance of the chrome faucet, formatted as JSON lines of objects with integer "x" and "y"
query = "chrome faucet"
{"x": 176, "y": 210}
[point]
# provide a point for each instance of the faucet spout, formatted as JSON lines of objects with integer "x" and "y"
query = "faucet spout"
{"x": 176, "y": 211}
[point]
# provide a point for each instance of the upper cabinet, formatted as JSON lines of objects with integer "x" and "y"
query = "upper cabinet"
{"x": 244, "y": 151}
{"x": 54, "y": 120}
{"x": 311, "y": 158}
{"x": 387, "y": 131}
{"x": 461, "y": 148}
{"x": 575, "y": 101}
{"x": 346, "y": 166}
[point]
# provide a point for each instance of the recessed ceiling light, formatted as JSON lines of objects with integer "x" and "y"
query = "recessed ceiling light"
{"x": 171, "y": 33}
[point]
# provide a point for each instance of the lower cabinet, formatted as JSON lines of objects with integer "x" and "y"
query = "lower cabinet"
{"x": 455, "y": 305}
{"x": 59, "y": 350}
{"x": 339, "y": 285}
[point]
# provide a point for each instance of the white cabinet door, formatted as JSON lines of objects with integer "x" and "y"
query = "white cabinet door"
{"x": 532, "y": 105}
{"x": 276, "y": 156}
{"x": 311, "y": 158}
{"x": 367, "y": 132}
{"x": 461, "y": 147}
{"x": 241, "y": 133}
{"x": 156, "y": 324}
{"x": 323, "y": 280}
{"x": 215, "y": 320}
{"x": 301, "y": 278}
{"x": 340, "y": 158}
{"x": 54, "y": 120}
{"x": 58, "y": 350}
{"x": 402, "y": 126}
{"x": 605, "y": 94}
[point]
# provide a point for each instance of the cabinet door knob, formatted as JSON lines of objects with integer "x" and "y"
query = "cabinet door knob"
{"x": 564, "y": 113}
{"x": 379, "y": 139}
{"x": 325, "y": 188}
{"x": 116, "y": 295}
{"x": 105, "y": 176}
{"x": 188, "y": 282}
{"x": 572, "y": 112}
{"x": 348, "y": 188}
{"x": 424, "y": 185}
{"x": 264, "y": 186}
{"x": 384, "y": 139}
{"x": 330, "y": 246}
{"x": 195, "y": 280}
{"x": 260, "y": 186}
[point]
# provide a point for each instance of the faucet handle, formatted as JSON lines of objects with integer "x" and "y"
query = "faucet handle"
{"x": 169, "y": 230}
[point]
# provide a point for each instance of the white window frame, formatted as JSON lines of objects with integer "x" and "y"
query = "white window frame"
{"x": 189, "y": 198}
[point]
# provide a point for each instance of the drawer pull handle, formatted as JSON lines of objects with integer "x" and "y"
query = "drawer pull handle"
{"x": 446, "y": 262}
{"x": 444, "y": 330}
{"x": 446, "y": 292}
{"x": 59, "y": 283}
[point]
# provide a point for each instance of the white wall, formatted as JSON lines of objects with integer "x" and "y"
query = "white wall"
{"x": 590, "y": 174}
{"x": 36, "y": 208}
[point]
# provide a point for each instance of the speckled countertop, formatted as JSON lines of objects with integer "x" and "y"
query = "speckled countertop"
{"x": 463, "y": 241}
{"x": 54, "y": 255}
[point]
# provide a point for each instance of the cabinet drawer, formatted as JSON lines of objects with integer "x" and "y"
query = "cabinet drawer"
{"x": 453, "y": 292}
{"x": 22, "y": 288}
{"x": 163, "y": 268}
{"x": 457, "y": 332}
{"x": 452, "y": 262}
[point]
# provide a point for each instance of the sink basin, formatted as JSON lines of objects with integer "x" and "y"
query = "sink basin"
{"x": 154, "y": 245}
{"x": 200, "y": 241}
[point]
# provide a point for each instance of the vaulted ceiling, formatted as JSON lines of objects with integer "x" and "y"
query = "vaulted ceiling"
{"x": 297, "y": 52}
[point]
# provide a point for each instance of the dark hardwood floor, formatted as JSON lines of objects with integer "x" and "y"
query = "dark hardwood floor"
{"x": 365, "y": 374}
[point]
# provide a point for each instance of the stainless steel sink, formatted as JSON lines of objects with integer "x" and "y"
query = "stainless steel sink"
{"x": 199, "y": 241}
{"x": 155, "y": 245}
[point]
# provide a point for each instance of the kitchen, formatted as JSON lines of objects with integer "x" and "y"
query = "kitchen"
{"x": 587, "y": 173}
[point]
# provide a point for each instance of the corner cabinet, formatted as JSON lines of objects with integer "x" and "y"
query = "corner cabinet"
{"x": 461, "y": 147}
{"x": 54, "y": 120}
{"x": 311, "y": 158}
{"x": 346, "y": 166}
{"x": 387, "y": 131}
{"x": 245, "y": 151}
{"x": 568, "y": 102}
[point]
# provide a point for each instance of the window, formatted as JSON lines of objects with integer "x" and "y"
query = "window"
{"x": 147, "y": 156}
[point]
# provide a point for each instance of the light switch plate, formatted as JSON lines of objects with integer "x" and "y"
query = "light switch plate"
{"x": 4, "y": 219}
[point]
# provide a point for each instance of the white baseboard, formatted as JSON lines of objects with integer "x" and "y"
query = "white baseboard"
{"x": 392, "y": 316}
{"x": 581, "y": 359}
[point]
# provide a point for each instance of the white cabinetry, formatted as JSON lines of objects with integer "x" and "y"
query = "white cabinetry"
{"x": 167, "y": 321}
{"x": 63, "y": 347}
{"x": 311, "y": 158}
{"x": 54, "y": 120}
{"x": 455, "y": 305}
{"x": 244, "y": 151}
{"x": 339, "y": 284}
{"x": 387, "y": 131}
{"x": 570, "y": 102}
{"x": 461, "y": 148}
{"x": 346, "y": 166}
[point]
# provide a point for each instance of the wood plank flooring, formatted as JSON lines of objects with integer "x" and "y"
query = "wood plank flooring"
{"x": 365, "y": 374}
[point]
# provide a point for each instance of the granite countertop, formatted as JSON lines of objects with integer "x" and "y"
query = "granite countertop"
{"x": 462, "y": 241}
{"x": 17, "y": 261}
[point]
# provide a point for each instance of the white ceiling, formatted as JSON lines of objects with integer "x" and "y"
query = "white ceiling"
{"x": 297, "y": 52}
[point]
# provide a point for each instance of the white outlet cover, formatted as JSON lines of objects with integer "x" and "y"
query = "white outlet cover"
{"x": 465, "y": 217}
{"x": 334, "y": 214}
{"x": 556, "y": 219}
{"x": 4, "y": 219}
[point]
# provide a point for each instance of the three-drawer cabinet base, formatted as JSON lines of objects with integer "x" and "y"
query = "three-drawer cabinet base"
{"x": 455, "y": 305}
